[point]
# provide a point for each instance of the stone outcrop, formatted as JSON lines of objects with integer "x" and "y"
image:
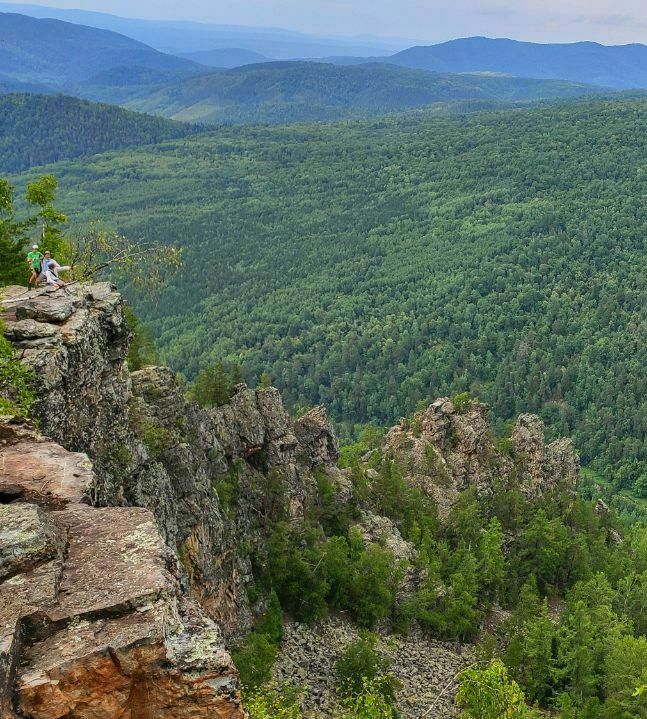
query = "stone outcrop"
{"x": 546, "y": 464}
{"x": 445, "y": 449}
{"x": 93, "y": 621}
{"x": 76, "y": 342}
{"x": 317, "y": 437}
{"x": 153, "y": 448}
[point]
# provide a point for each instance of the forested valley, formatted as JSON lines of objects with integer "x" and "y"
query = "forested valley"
{"x": 374, "y": 265}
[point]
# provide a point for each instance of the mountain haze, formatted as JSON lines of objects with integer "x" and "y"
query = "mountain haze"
{"x": 51, "y": 52}
{"x": 184, "y": 37}
{"x": 226, "y": 57}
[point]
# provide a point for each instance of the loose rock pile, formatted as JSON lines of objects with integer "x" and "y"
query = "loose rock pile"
{"x": 426, "y": 668}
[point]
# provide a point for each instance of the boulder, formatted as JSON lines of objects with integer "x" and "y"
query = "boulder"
{"x": 317, "y": 437}
{"x": 48, "y": 307}
{"x": 30, "y": 330}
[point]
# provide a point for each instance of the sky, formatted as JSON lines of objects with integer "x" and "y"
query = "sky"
{"x": 606, "y": 21}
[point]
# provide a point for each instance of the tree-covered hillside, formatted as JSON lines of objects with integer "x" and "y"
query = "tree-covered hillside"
{"x": 372, "y": 265}
{"x": 308, "y": 91}
{"x": 40, "y": 129}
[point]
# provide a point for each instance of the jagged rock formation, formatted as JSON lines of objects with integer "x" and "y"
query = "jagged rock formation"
{"x": 444, "y": 450}
{"x": 152, "y": 448}
{"x": 123, "y": 578}
{"x": 93, "y": 622}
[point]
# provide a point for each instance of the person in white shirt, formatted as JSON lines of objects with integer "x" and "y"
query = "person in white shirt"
{"x": 51, "y": 274}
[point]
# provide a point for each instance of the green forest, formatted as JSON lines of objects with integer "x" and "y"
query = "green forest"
{"x": 311, "y": 91}
{"x": 374, "y": 265}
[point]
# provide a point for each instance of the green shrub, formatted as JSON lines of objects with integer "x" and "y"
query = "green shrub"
{"x": 372, "y": 702}
{"x": 503, "y": 445}
{"x": 462, "y": 402}
{"x": 214, "y": 386}
{"x": 489, "y": 694}
{"x": 373, "y": 579}
{"x": 256, "y": 654}
{"x": 414, "y": 512}
{"x": 142, "y": 350}
{"x": 271, "y": 623}
{"x": 273, "y": 702}
{"x": 16, "y": 396}
{"x": 254, "y": 659}
{"x": 360, "y": 662}
{"x": 290, "y": 568}
{"x": 333, "y": 516}
{"x": 227, "y": 487}
{"x": 157, "y": 439}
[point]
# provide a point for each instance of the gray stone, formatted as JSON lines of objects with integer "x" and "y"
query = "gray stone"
{"x": 48, "y": 307}
{"x": 29, "y": 330}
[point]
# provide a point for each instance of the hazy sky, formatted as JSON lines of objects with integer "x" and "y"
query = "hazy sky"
{"x": 607, "y": 21}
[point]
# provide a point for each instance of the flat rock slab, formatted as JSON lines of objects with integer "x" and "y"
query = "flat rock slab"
{"x": 29, "y": 330}
{"x": 22, "y": 596}
{"x": 49, "y": 307}
{"x": 44, "y": 473}
{"x": 83, "y": 670}
{"x": 27, "y": 538}
{"x": 116, "y": 560}
{"x": 100, "y": 291}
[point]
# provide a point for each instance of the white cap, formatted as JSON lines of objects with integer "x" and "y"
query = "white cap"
{"x": 34, "y": 247}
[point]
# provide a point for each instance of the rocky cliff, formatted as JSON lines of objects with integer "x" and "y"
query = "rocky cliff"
{"x": 130, "y": 516}
{"x": 155, "y": 493}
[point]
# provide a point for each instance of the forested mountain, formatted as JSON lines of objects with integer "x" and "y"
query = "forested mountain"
{"x": 182, "y": 36}
{"x": 119, "y": 85}
{"x": 621, "y": 67}
{"x": 302, "y": 91}
{"x": 51, "y": 52}
{"x": 40, "y": 129}
{"x": 226, "y": 57}
{"x": 372, "y": 265}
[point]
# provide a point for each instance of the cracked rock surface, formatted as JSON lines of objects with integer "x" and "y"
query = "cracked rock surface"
{"x": 93, "y": 624}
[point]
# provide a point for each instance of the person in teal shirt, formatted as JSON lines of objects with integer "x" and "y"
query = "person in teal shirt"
{"x": 34, "y": 260}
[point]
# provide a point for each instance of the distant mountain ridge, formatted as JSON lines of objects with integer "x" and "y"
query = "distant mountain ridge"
{"x": 619, "y": 67}
{"x": 183, "y": 37}
{"x": 52, "y": 52}
{"x": 226, "y": 57}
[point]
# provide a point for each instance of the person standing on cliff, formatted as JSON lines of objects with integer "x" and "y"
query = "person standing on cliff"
{"x": 34, "y": 260}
